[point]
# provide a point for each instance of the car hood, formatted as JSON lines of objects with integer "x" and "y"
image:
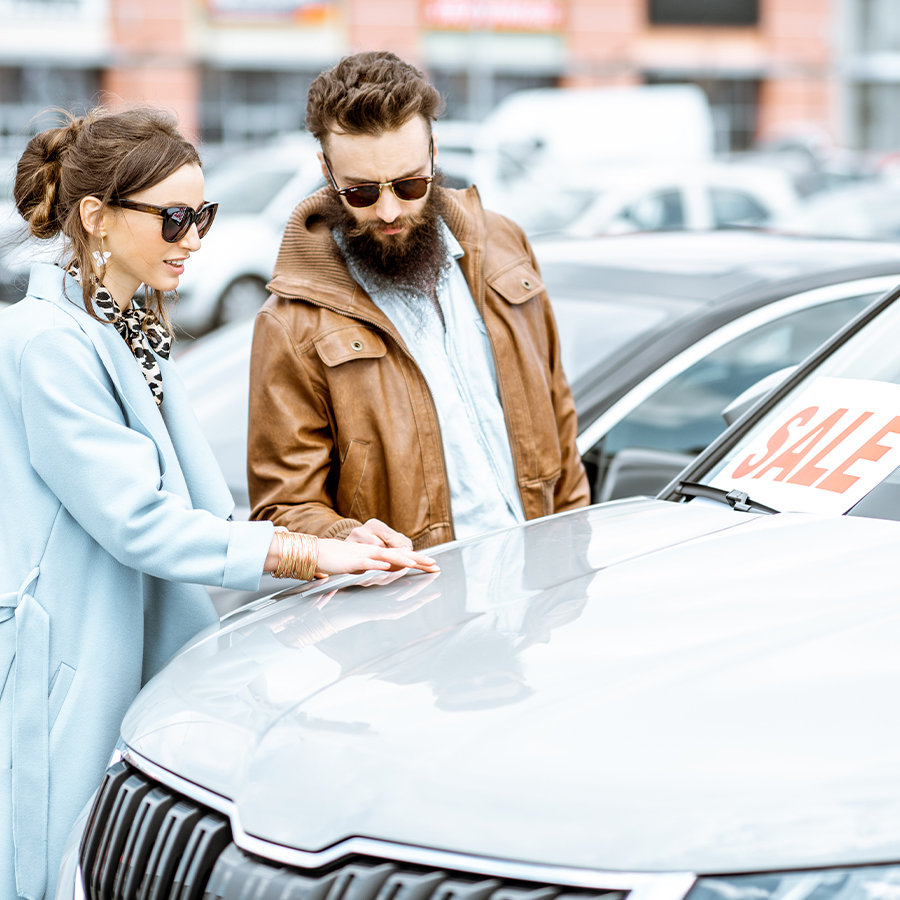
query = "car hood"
{"x": 638, "y": 686}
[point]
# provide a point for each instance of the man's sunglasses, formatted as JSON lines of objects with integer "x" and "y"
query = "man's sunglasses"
{"x": 362, "y": 195}
{"x": 176, "y": 220}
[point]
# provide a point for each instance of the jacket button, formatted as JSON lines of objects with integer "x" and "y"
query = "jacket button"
{"x": 356, "y": 345}
{"x": 526, "y": 284}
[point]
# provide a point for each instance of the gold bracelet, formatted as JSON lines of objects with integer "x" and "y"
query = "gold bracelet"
{"x": 282, "y": 570}
{"x": 309, "y": 560}
{"x": 299, "y": 557}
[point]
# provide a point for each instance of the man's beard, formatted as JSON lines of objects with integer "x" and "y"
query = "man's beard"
{"x": 410, "y": 263}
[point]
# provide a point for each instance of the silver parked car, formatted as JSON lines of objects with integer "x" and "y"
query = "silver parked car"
{"x": 652, "y": 699}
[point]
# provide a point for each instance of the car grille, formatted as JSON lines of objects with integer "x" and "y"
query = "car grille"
{"x": 144, "y": 841}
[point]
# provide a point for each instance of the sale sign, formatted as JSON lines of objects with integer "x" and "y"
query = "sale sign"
{"x": 827, "y": 450}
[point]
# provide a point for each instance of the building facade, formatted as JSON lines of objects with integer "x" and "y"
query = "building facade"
{"x": 240, "y": 69}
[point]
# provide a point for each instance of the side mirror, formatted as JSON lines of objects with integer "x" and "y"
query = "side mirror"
{"x": 755, "y": 392}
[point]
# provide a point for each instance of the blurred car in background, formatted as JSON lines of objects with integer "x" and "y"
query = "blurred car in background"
{"x": 12, "y": 231}
{"x": 659, "y": 333}
{"x": 256, "y": 191}
{"x": 581, "y": 129}
{"x": 869, "y": 210}
{"x": 680, "y": 698}
{"x": 669, "y": 197}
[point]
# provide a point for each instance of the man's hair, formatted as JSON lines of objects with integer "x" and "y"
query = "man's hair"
{"x": 369, "y": 93}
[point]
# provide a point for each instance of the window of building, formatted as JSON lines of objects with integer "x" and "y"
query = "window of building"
{"x": 876, "y": 109}
{"x": 470, "y": 95}
{"x": 704, "y": 12}
{"x": 734, "y": 103}
{"x": 878, "y": 26}
{"x": 26, "y": 93}
{"x": 238, "y": 105}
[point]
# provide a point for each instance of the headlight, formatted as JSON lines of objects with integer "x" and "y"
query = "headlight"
{"x": 120, "y": 748}
{"x": 863, "y": 883}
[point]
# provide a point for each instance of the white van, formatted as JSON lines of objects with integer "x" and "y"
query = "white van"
{"x": 620, "y": 125}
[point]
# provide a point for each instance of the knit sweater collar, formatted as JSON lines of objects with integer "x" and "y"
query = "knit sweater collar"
{"x": 309, "y": 266}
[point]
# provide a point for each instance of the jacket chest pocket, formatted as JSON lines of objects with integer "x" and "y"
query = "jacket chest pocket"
{"x": 347, "y": 344}
{"x": 517, "y": 283}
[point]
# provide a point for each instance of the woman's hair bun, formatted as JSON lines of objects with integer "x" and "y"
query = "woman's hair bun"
{"x": 38, "y": 174}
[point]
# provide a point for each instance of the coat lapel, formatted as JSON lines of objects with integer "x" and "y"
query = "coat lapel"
{"x": 193, "y": 473}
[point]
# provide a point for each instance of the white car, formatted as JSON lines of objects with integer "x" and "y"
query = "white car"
{"x": 869, "y": 210}
{"x": 701, "y": 196}
{"x": 683, "y": 698}
{"x": 256, "y": 192}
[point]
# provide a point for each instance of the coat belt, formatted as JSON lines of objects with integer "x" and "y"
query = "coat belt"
{"x": 30, "y": 740}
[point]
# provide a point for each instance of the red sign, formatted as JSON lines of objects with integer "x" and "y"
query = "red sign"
{"x": 838, "y": 440}
{"x": 495, "y": 15}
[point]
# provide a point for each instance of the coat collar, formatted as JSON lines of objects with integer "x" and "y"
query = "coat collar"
{"x": 51, "y": 283}
{"x": 173, "y": 428}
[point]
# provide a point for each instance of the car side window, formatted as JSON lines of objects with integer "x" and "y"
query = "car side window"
{"x": 683, "y": 416}
{"x": 660, "y": 211}
{"x": 733, "y": 207}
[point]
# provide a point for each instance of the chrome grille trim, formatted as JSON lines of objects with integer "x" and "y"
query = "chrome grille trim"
{"x": 640, "y": 885}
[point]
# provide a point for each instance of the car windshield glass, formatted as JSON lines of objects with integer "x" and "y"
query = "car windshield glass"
{"x": 834, "y": 439}
{"x": 592, "y": 326}
{"x": 592, "y": 330}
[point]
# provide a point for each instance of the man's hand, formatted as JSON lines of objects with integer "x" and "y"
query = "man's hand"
{"x": 374, "y": 531}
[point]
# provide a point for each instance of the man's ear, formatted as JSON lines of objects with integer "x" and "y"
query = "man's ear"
{"x": 325, "y": 174}
{"x": 93, "y": 216}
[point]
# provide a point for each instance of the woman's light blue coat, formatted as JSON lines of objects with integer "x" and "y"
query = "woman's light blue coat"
{"x": 112, "y": 515}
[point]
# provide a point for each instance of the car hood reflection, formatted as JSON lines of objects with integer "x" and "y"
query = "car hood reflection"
{"x": 660, "y": 668}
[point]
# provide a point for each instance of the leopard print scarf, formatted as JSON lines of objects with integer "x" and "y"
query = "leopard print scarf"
{"x": 142, "y": 330}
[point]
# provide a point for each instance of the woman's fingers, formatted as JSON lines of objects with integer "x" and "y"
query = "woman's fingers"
{"x": 343, "y": 557}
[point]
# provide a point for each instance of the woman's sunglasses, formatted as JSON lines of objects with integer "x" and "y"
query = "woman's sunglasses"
{"x": 362, "y": 195}
{"x": 176, "y": 220}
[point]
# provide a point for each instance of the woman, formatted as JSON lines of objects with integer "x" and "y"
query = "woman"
{"x": 113, "y": 511}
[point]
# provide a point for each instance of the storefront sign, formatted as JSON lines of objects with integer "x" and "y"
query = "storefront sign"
{"x": 494, "y": 15}
{"x": 308, "y": 12}
{"x": 838, "y": 440}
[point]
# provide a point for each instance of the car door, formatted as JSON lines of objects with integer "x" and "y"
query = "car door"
{"x": 647, "y": 436}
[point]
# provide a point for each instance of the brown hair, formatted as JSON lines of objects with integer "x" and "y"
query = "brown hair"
{"x": 102, "y": 154}
{"x": 369, "y": 93}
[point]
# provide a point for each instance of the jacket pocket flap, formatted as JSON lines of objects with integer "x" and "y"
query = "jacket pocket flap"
{"x": 345, "y": 344}
{"x": 518, "y": 283}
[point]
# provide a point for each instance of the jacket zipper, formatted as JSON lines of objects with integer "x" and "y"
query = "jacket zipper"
{"x": 409, "y": 355}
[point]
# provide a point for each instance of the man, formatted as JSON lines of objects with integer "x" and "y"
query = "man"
{"x": 406, "y": 370}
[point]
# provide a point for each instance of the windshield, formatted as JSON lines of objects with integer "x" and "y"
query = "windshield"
{"x": 595, "y": 321}
{"x": 834, "y": 438}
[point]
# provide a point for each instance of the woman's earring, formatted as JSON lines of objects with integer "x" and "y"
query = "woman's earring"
{"x": 101, "y": 258}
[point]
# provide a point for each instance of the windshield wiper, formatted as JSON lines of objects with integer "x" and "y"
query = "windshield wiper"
{"x": 737, "y": 500}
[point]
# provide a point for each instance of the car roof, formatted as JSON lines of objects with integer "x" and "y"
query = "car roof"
{"x": 710, "y": 266}
{"x": 703, "y": 279}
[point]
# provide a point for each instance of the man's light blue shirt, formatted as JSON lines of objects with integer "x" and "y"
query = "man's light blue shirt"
{"x": 456, "y": 360}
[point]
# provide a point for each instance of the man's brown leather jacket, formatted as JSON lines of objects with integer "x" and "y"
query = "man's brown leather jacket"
{"x": 343, "y": 427}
